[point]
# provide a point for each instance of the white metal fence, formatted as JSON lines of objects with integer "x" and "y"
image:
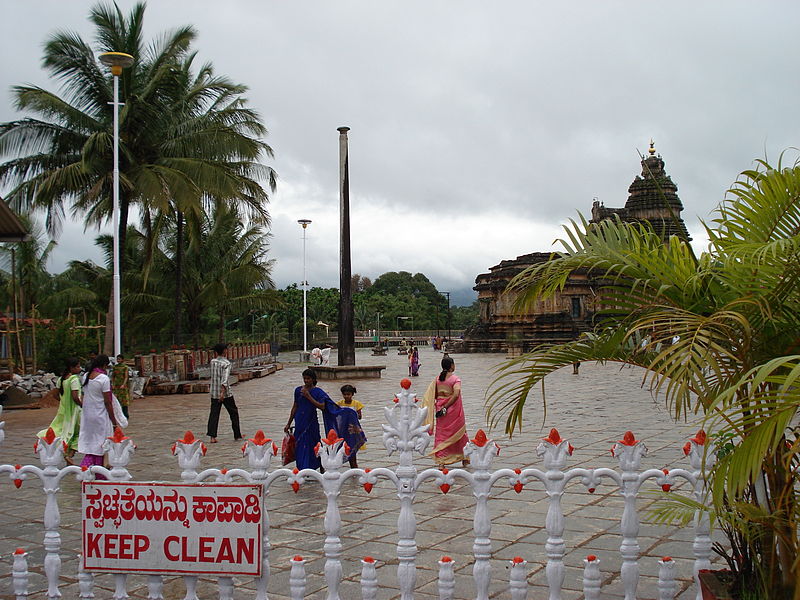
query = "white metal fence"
{"x": 404, "y": 434}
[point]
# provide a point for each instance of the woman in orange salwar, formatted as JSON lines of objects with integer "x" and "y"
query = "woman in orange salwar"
{"x": 446, "y": 416}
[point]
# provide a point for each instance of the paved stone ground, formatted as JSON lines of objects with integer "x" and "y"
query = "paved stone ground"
{"x": 592, "y": 410}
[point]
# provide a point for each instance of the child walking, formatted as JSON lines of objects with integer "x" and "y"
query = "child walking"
{"x": 348, "y": 401}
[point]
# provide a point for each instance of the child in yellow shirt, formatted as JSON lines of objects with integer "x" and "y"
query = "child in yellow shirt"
{"x": 348, "y": 391}
{"x": 348, "y": 401}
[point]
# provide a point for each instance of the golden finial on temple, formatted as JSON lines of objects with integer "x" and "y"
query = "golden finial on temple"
{"x": 652, "y": 150}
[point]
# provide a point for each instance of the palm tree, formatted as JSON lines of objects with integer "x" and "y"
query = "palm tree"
{"x": 226, "y": 272}
{"x": 213, "y": 141}
{"x": 716, "y": 334}
{"x": 30, "y": 265}
{"x": 180, "y": 138}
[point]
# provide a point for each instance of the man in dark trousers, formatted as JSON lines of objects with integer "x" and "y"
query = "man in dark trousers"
{"x": 220, "y": 394}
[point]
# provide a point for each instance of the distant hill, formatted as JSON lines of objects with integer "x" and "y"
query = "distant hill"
{"x": 463, "y": 297}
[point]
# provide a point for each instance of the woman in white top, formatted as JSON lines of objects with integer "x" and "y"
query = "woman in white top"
{"x": 97, "y": 419}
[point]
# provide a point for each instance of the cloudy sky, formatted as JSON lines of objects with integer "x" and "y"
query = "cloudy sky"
{"x": 477, "y": 128}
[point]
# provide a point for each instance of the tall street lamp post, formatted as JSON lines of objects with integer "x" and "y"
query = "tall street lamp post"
{"x": 304, "y": 223}
{"x": 447, "y": 294}
{"x": 117, "y": 61}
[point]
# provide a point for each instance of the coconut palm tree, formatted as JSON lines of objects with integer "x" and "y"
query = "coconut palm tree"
{"x": 30, "y": 265}
{"x": 715, "y": 333}
{"x": 181, "y": 136}
{"x": 226, "y": 272}
{"x": 210, "y": 141}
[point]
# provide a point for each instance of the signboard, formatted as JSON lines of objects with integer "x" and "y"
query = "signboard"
{"x": 184, "y": 528}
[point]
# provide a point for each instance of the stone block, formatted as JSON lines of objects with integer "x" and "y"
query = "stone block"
{"x": 167, "y": 387}
{"x": 348, "y": 372}
{"x": 180, "y": 366}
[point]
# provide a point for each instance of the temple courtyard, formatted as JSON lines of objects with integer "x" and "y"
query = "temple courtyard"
{"x": 592, "y": 410}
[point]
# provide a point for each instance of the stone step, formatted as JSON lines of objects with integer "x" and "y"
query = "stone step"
{"x": 203, "y": 386}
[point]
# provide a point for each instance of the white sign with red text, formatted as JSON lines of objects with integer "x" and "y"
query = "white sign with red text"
{"x": 146, "y": 527}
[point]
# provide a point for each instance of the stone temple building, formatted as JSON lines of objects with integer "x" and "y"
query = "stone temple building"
{"x": 652, "y": 198}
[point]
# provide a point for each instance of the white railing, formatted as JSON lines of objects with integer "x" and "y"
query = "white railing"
{"x": 405, "y": 434}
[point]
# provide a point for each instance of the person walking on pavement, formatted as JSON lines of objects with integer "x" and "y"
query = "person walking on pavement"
{"x": 446, "y": 416}
{"x": 220, "y": 394}
{"x": 121, "y": 384}
{"x": 98, "y": 419}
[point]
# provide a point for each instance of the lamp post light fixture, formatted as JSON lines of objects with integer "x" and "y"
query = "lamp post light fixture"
{"x": 116, "y": 61}
{"x": 403, "y": 319}
{"x": 304, "y": 223}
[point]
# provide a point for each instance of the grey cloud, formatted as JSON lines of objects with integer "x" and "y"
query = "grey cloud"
{"x": 522, "y": 108}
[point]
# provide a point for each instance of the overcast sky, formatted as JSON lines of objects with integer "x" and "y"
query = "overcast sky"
{"x": 477, "y": 128}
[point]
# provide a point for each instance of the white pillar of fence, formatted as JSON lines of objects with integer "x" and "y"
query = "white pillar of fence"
{"x": 19, "y": 574}
{"x": 332, "y": 455}
{"x": 405, "y": 433}
{"x": 85, "y": 581}
{"x": 701, "y": 460}
{"x": 369, "y": 579}
{"x": 667, "y": 586}
{"x": 629, "y": 451}
{"x": 447, "y": 579}
{"x": 591, "y": 578}
{"x": 259, "y": 451}
{"x": 517, "y": 583}
{"x": 297, "y": 578}
{"x": 481, "y": 451}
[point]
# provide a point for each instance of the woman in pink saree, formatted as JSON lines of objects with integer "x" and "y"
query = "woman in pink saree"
{"x": 446, "y": 416}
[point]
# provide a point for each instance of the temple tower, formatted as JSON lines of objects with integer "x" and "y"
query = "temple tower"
{"x": 652, "y": 198}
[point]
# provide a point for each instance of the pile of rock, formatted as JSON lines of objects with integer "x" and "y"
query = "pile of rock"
{"x": 21, "y": 390}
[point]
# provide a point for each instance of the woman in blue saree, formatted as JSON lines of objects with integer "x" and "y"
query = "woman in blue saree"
{"x": 308, "y": 398}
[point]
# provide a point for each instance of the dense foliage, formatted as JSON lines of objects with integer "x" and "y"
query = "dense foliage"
{"x": 394, "y": 303}
{"x": 188, "y": 143}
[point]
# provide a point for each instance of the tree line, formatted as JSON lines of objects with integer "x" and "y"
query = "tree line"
{"x": 395, "y": 301}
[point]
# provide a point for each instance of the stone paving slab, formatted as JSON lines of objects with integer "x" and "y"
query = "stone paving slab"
{"x": 592, "y": 410}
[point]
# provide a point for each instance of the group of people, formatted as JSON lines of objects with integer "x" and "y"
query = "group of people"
{"x": 343, "y": 417}
{"x": 438, "y": 343}
{"x": 86, "y": 413}
{"x": 445, "y": 418}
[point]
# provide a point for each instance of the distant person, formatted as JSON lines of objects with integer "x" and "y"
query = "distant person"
{"x": 121, "y": 384}
{"x": 97, "y": 417}
{"x": 575, "y": 366}
{"x": 316, "y": 356}
{"x": 413, "y": 365}
{"x": 87, "y": 366}
{"x": 66, "y": 423}
{"x": 446, "y": 416}
{"x": 325, "y": 356}
{"x": 221, "y": 394}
